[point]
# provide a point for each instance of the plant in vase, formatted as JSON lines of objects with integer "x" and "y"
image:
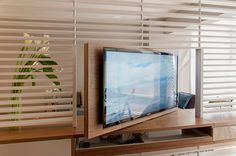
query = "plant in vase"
{"x": 38, "y": 51}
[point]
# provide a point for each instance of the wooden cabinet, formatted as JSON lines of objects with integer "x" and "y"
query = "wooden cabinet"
{"x": 194, "y": 132}
{"x": 224, "y": 133}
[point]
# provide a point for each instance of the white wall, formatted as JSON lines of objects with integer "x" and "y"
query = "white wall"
{"x": 185, "y": 77}
{"x": 41, "y": 148}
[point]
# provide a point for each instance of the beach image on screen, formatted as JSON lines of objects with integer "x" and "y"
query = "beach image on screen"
{"x": 138, "y": 84}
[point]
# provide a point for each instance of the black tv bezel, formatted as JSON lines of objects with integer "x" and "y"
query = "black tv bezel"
{"x": 121, "y": 50}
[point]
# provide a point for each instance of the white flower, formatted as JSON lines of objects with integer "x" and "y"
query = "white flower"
{"x": 27, "y": 36}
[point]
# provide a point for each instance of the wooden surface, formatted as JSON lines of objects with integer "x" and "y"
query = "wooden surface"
{"x": 35, "y": 134}
{"x": 144, "y": 147}
{"x": 224, "y": 126}
{"x": 221, "y": 119}
{"x": 181, "y": 119}
{"x": 224, "y": 133}
{"x": 80, "y": 129}
{"x": 93, "y": 96}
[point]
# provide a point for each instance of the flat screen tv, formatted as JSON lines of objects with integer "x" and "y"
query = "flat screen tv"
{"x": 137, "y": 84}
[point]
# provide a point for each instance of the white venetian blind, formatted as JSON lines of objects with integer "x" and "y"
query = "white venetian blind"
{"x": 156, "y": 24}
{"x": 173, "y": 25}
{"x": 36, "y": 62}
{"x": 38, "y": 39}
{"x": 218, "y": 35}
{"x": 110, "y": 22}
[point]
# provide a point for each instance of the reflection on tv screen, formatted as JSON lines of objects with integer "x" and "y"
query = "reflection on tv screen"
{"x": 138, "y": 84}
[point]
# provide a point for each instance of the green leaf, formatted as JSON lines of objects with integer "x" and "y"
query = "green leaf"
{"x": 31, "y": 70}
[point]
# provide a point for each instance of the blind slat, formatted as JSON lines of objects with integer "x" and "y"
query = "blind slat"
{"x": 37, "y": 122}
{"x": 35, "y": 108}
{"x": 35, "y": 101}
{"x": 36, "y": 115}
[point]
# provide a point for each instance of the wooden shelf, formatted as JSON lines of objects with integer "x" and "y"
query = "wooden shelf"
{"x": 221, "y": 119}
{"x": 218, "y": 124}
{"x": 184, "y": 120}
{"x": 35, "y": 134}
{"x": 144, "y": 147}
{"x": 187, "y": 139}
{"x": 181, "y": 119}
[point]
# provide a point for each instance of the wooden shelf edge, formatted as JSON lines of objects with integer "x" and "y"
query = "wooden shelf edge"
{"x": 144, "y": 147}
{"x": 35, "y": 134}
{"x": 159, "y": 129}
{"x": 232, "y": 140}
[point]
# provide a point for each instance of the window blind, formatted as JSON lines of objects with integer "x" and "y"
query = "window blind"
{"x": 36, "y": 62}
{"x": 173, "y": 25}
{"x": 139, "y": 23}
{"x": 38, "y": 42}
{"x": 218, "y": 43}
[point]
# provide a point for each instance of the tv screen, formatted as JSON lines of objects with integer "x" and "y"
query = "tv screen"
{"x": 137, "y": 84}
